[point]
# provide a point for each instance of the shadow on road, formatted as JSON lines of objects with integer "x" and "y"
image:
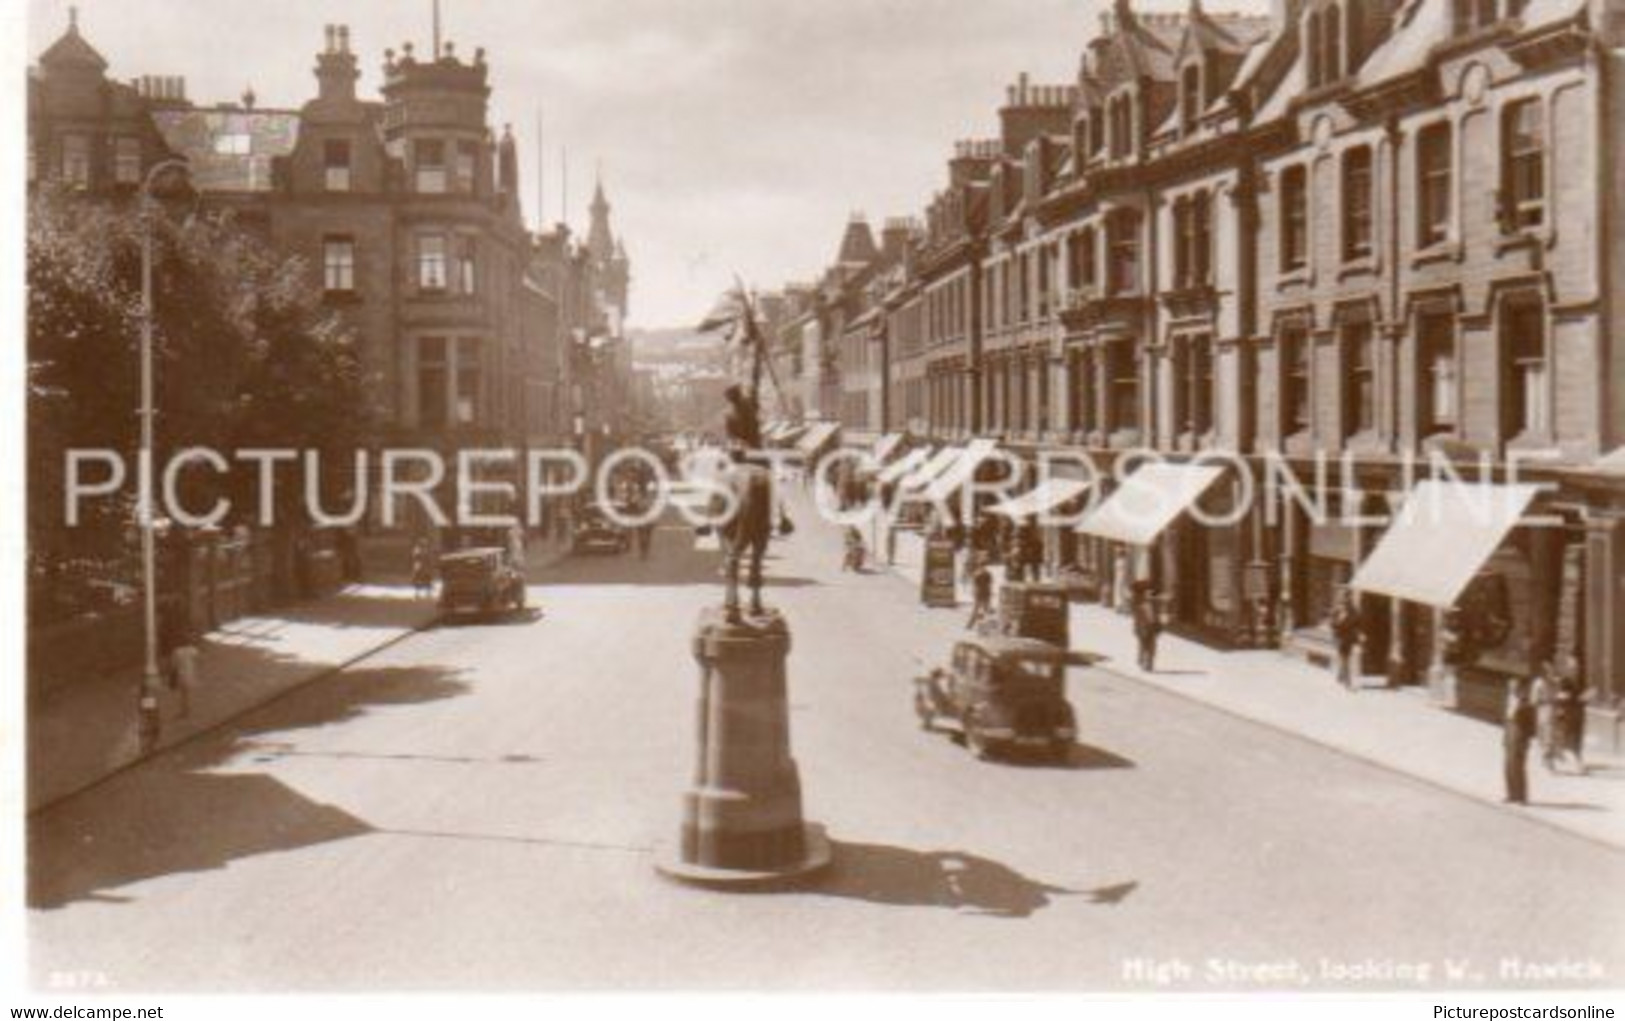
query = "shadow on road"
{"x": 180, "y": 813}
{"x": 945, "y": 879}
{"x": 1079, "y": 757}
{"x": 674, "y": 561}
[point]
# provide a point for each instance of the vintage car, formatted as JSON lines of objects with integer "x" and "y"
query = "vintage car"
{"x": 596, "y": 532}
{"x": 1001, "y": 693}
{"x": 481, "y": 580}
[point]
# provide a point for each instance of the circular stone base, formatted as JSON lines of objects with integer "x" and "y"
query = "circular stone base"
{"x": 815, "y": 858}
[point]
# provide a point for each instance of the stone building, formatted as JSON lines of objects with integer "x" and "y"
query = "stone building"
{"x": 1360, "y": 233}
{"x": 473, "y": 330}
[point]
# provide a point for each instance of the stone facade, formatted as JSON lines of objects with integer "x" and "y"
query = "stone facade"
{"x": 474, "y": 330}
{"x": 1371, "y": 230}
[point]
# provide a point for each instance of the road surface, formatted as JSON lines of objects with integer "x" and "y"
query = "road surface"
{"x": 474, "y": 807}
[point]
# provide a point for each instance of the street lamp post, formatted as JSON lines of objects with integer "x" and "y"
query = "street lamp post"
{"x": 148, "y": 718}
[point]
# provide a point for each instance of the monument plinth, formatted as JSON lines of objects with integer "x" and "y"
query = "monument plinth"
{"x": 742, "y": 821}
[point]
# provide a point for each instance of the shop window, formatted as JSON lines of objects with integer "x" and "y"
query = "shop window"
{"x": 1433, "y": 184}
{"x": 1357, "y": 203}
{"x": 1523, "y": 165}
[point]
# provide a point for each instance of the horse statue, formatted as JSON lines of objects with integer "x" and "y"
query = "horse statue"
{"x": 744, "y": 534}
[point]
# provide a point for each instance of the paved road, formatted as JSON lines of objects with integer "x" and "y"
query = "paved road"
{"x": 474, "y": 807}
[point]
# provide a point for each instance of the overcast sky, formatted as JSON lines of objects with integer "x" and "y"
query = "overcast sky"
{"x": 734, "y": 135}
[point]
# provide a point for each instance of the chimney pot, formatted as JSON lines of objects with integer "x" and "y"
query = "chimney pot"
{"x": 344, "y": 38}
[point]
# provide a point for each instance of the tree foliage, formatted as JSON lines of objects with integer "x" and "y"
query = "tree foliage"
{"x": 245, "y": 354}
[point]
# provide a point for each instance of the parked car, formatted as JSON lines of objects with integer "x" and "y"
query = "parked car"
{"x": 595, "y": 532}
{"x": 482, "y": 580}
{"x": 1000, "y": 693}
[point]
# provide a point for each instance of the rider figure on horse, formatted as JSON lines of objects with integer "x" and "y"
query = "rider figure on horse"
{"x": 746, "y": 533}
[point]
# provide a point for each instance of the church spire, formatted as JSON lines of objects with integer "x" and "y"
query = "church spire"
{"x": 600, "y": 240}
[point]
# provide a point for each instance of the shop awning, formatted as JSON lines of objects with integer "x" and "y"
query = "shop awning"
{"x": 934, "y": 465}
{"x": 1148, "y": 501}
{"x": 816, "y": 437}
{"x": 1046, "y": 496}
{"x": 787, "y": 435}
{"x": 1441, "y": 537}
{"x": 902, "y": 466}
{"x": 962, "y": 470}
{"x": 886, "y": 446}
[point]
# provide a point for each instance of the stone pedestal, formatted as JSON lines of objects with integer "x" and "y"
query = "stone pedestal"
{"x": 742, "y": 821}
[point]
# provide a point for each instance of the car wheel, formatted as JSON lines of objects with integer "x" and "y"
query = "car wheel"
{"x": 975, "y": 742}
{"x": 922, "y": 709}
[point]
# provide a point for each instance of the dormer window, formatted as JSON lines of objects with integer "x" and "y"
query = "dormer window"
{"x": 1323, "y": 45}
{"x": 1190, "y": 98}
{"x": 1122, "y": 126}
{"x": 336, "y": 164}
{"x": 1476, "y": 15}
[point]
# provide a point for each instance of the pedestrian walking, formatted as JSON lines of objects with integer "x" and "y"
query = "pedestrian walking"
{"x": 1518, "y": 732}
{"x": 422, "y": 569}
{"x": 1147, "y": 625}
{"x": 646, "y": 538}
{"x": 1347, "y": 634}
{"x": 1542, "y": 695}
{"x": 1030, "y": 547}
{"x": 1569, "y": 720}
{"x": 183, "y": 671}
{"x": 853, "y": 558}
{"x": 981, "y": 596}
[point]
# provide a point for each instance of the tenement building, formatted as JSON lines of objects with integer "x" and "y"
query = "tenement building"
{"x": 1312, "y": 260}
{"x": 473, "y": 330}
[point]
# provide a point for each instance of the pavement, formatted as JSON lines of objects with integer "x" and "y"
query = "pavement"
{"x": 475, "y": 807}
{"x": 81, "y": 733}
{"x": 1395, "y": 728}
